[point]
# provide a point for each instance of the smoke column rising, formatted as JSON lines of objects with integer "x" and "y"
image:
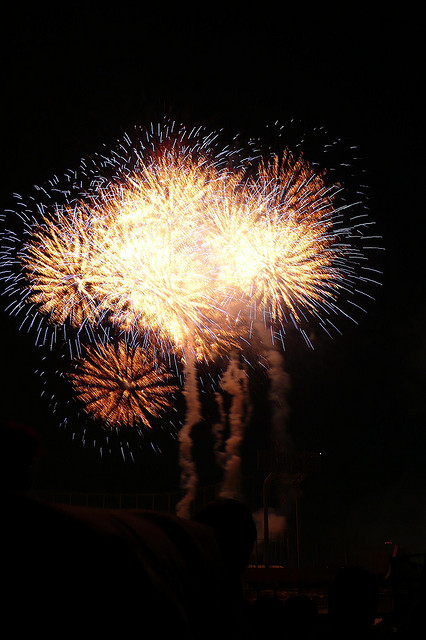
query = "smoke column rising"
{"x": 278, "y": 389}
{"x": 189, "y": 478}
{"x": 234, "y": 382}
{"x": 279, "y": 386}
{"x": 218, "y": 431}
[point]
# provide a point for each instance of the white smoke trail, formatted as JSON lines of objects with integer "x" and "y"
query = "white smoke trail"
{"x": 189, "y": 478}
{"x": 234, "y": 382}
{"x": 218, "y": 431}
{"x": 278, "y": 389}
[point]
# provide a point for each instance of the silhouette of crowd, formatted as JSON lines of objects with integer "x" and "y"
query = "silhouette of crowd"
{"x": 68, "y": 570}
{"x": 353, "y": 598}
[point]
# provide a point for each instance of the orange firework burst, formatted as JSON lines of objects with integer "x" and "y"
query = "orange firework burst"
{"x": 120, "y": 386}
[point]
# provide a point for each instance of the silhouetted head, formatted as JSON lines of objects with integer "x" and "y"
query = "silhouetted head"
{"x": 234, "y": 529}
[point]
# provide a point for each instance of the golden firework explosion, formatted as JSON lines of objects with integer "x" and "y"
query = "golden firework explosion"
{"x": 120, "y": 386}
{"x": 184, "y": 251}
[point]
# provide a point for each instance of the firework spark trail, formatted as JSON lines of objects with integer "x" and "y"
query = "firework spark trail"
{"x": 189, "y": 477}
{"x": 235, "y": 382}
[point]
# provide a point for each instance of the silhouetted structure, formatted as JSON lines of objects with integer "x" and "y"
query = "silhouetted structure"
{"x": 235, "y": 530}
{"x": 73, "y": 570}
{"x": 291, "y": 468}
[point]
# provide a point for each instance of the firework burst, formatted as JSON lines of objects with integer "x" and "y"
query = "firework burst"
{"x": 119, "y": 386}
{"x": 179, "y": 245}
{"x": 157, "y": 275}
{"x": 277, "y": 243}
{"x": 185, "y": 242}
{"x": 59, "y": 266}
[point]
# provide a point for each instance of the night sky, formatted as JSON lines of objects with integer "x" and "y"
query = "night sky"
{"x": 77, "y": 78}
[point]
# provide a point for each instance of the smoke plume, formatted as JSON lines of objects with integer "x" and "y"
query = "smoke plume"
{"x": 235, "y": 383}
{"x": 189, "y": 478}
{"x": 278, "y": 390}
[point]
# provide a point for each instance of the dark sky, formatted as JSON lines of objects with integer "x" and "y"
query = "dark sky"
{"x": 76, "y": 78}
